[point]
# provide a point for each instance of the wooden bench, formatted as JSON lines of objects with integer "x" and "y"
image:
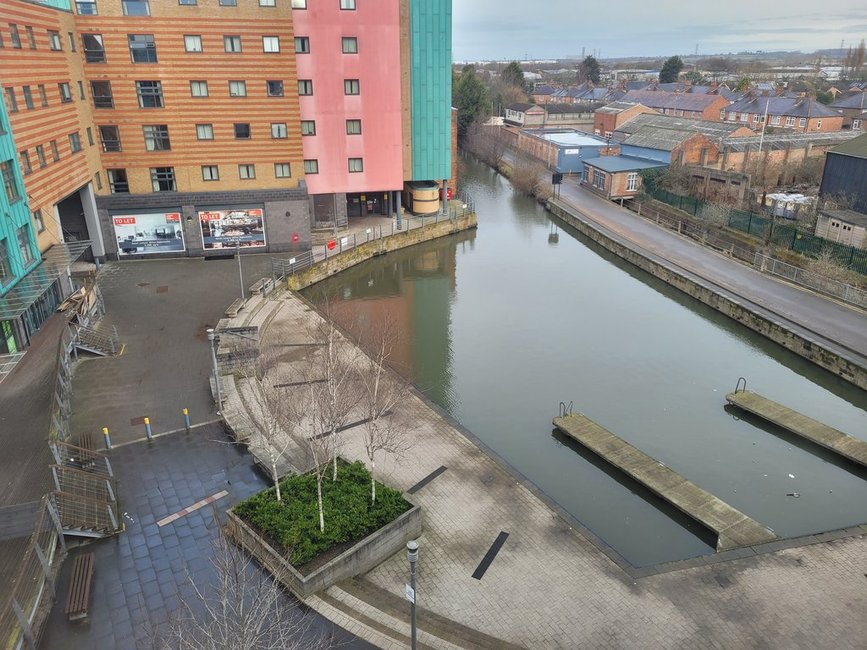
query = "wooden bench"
{"x": 78, "y": 600}
{"x": 235, "y": 307}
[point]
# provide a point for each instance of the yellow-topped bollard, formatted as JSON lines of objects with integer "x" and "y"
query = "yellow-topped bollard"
{"x": 148, "y": 432}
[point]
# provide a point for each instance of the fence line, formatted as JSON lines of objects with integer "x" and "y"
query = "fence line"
{"x": 820, "y": 283}
{"x": 772, "y": 231}
{"x": 282, "y": 267}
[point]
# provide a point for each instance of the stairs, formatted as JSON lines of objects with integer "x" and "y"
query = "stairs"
{"x": 102, "y": 341}
{"x": 85, "y": 494}
{"x": 382, "y": 618}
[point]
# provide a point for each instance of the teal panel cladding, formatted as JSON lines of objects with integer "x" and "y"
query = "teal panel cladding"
{"x": 431, "y": 68}
{"x": 14, "y": 214}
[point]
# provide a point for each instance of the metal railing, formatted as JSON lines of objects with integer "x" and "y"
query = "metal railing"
{"x": 283, "y": 267}
{"x": 88, "y": 517}
{"x": 38, "y": 567}
{"x": 816, "y": 282}
{"x": 100, "y": 341}
{"x": 61, "y": 399}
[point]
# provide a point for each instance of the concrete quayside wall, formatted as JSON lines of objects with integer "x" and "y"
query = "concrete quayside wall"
{"x": 765, "y": 324}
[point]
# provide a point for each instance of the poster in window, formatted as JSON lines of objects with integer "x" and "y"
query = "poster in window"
{"x": 244, "y": 227}
{"x": 148, "y": 233}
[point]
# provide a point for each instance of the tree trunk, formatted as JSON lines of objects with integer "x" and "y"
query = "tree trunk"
{"x": 372, "y": 482}
{"x": 334, "y": 475}
{"x": 319, "y": 502}
{"x": 276, "y": 479}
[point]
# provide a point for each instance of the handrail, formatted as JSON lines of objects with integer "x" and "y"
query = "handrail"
{"x": 738, "y": 385}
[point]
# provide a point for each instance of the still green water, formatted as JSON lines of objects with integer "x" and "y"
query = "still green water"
{"x": 503, "y": 324}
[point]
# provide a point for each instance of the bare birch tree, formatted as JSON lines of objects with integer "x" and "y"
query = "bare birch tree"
{"x": 382, "y": 392}
{"x": 243, "y": 608}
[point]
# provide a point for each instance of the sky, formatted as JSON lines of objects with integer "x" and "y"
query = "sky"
{"x": 542, "y": 29}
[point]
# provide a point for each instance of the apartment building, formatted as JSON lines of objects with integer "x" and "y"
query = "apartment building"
{"x": 798, "y": 114}
{"x": 374, "y": 86}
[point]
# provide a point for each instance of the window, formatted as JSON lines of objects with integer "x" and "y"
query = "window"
{"x": 11, "y": 102}
{"x": 308, "y": 127}
{"x": 237, "y": 89}
{"x": 210, "y": 173}
{"x": 775, "y": 119}
{"x": 5, "y": 271}
{"x": 43, "y": 96}
{"x": 156, "y": 137}
{"x": 242, "y": 130}
{"x": 37, "y": 219}
{"x": 89, "y": 132}
{"x": 267, "y": 3}
{"x": 163, "y": 179}
{"x": 86, "y": 7}
{"x": 71, "y": 38}
{"x": 55, "y": 152}
{"x": 150, "y": 94}
{"x": 54, "y": 41}
{"x": 299, "y": 4}
{"x": 353, "y": 127}
{"x": 732, "y": 116}
{"x": 136, "y": 8}
{"x": 191, "y": 3}
{"x": 9, "y": 183}
{"x": 199, "y": 88}
{"x": 270, "y": 44}
{"x": 117, "y": 182}
{"x": 311, "y": 166}
{"x": 142, "y": 48}
{"x": 356, "y": 165}
{"x": 802, "y": 122}
{"x": 302, "y": 45}
{"x": 193, "y": 43}
{"x": 28, "y": 96}
{"x": 110, "y": 138}
{"x": 15, "y": 36}
{"x": 757, "y": 117}
{"x": 722, "y": 115}
{"x": 305, "y": 87}
{"x": 101, "y": 93}
{"x": 790, "y": 121}
{"x": 246, "y": 172}
{"x": 40, "y": 155}
{"x": 24, "y": 157}
{"x": 347, "y": 4}
{"x": 274, "y": 88}
{"x": 75, "y": 142}
{"x": 23, "y": 236}
{"x": 65, "y": 92}
{"x": 98, "y": 178}
{"x": 205, "y": 131}
{"x": 350, "y": 45}
{"x": 279, "y": 130}
{"x": 631, "y": 182}
{"x": 351, "y": 87}
{"x": 31, "y": 38}
{"x": 94, "y": 50}
{"x": 232, "y": 43}
{"x": 228, "y": 3}
{"x": 819, "y": 124}
{"x": 81, "y": 90}
{"x": 598, "y": 179}
{"x": 745, "y": 117}
{"x": 856, "y": 125}
{"x": 282, "y": 170}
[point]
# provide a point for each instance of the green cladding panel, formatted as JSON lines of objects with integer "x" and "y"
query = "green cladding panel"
{"x": 14, "y": 214}
{"x": 431, "y": 67}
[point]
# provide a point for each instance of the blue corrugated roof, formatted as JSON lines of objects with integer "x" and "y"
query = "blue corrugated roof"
{"x": 614, "y": 164}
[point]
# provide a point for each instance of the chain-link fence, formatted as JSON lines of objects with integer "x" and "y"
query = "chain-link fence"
{"x": 820, "y": 283}
{"x": 773, "y": 231}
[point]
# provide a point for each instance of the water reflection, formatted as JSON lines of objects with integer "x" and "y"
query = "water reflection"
{"x": 503, "y": 325}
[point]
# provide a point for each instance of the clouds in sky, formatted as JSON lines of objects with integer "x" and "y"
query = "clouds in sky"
{"x": 512, "y": 29}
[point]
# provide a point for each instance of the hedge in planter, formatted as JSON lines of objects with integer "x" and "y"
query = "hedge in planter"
{"x": 292, "y": 525}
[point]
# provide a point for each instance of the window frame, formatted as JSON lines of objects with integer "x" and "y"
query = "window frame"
{"x": 110, "y": 145}
{"x": 242, "y": 87}
{"x": 89, "y": 53}
{"x": 307, "y": 89}
{"x": 148, "y": 51}
{"x": 282, "y": 130}
{"x": 159, "y": 94}
{"x": 127, "y": 4}
{"x": 198, "y": 38}
{"x": 199, "y": 83}
{"x": 118, "y": 181}
{"x": 349, "y": 39}
{"x": 55, "y": 43}
{"x": 206, "y": 128}
{"x": 232, "y": 39}
{"x": 247, "y": 168}
{"x": 278, "y": 167}
{"x": 65, "y": 92}
{"x": 270, "y": 41}
{"x": 347, "y": 5}
{"x": 311, "y": 166}
{"x": 156, "y": 137}
{"x": 304, "y": 42}
{"x": 268, "y": 88}
{"x": 353, "y": 121}
{"x": 165, "y": 175}
{"x": 75, "y": 142}
{"x": 351, "y": 87}
{"x": 236, "y": 130}
{"x": 308, "y": 128}
{"x": 99, "y": 101}
{"x": 213, "y": 172}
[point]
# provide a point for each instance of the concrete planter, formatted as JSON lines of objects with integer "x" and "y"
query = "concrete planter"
{"x": 362, "y": 557}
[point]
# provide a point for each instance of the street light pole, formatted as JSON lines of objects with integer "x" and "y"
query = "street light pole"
{"x": 240, "y": 272}
{"x": 412, "y": 555}
{"x": 215, "y": 370}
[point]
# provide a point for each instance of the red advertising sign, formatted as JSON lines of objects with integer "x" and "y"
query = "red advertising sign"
{"x": 124, "y": 221}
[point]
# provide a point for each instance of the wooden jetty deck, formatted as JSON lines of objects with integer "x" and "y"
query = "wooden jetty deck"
{"x": 732, "y": 527}
{"x": 821, "y": 434}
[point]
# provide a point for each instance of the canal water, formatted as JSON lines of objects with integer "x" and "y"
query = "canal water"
{"x": 504, "y": 323}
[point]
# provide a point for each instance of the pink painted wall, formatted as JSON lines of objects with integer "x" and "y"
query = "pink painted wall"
{"x": 376, "y": 25}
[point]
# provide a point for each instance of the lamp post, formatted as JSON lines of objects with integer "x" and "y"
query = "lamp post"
{"x": 412, "y": 556}
{"x": 240, "y": 272}
{"x": 215, "y": 369}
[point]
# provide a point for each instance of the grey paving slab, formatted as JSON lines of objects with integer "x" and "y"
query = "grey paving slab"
{"x": 139, "y": 574}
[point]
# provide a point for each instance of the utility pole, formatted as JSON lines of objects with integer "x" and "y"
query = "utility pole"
{"x": 215, "y": 369}
{"x": 412, "y": 556}
{"x": 240, "y": 272}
